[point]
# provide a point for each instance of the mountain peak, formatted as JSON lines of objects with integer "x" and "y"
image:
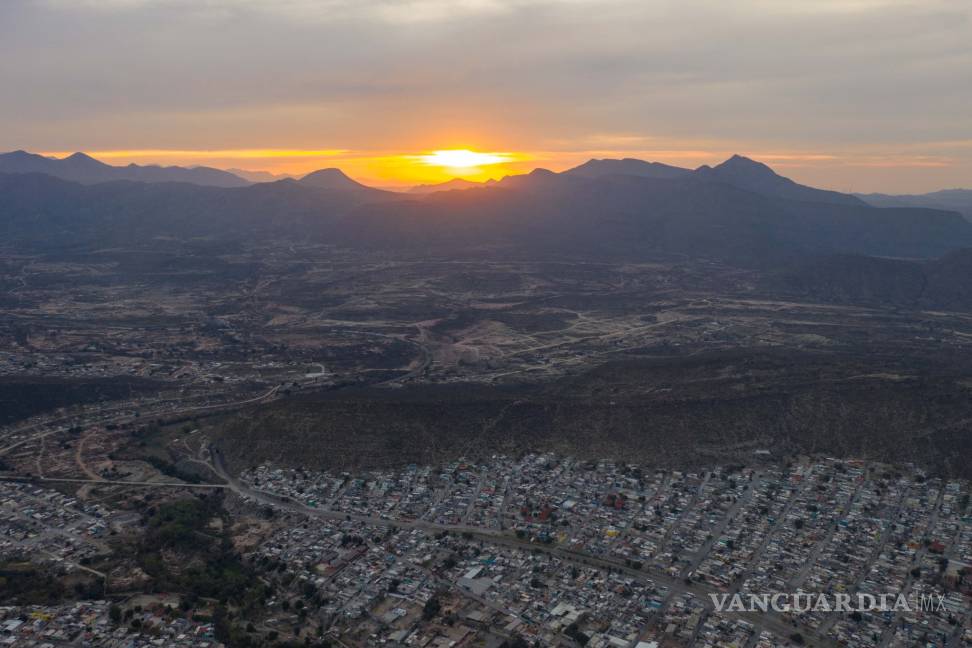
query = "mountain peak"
{"x": 330, "y": 172}
{"x": 80, "y": 159}
{"x": 746, "y": 173}
{"x": 537, "y": 179}
{"x": 81, "y": 156}
{"x": 594, "y": 168}
{"x": 333, "y": 178}
{"x": 741, "y": 163}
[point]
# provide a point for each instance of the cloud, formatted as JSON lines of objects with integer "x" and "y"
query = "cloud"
{"x": 797, "y": 78}
{"x": 401, "y": 11}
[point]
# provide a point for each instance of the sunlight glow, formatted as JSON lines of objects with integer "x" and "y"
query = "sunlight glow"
{"x": 463, "y": 158}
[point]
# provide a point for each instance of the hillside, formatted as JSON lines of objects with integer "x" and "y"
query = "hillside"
{"x": 662, "y": 411}
{"x": 41, "y": 211}
{"x": 959, "y": 200}
{"x": 941, "y": 284}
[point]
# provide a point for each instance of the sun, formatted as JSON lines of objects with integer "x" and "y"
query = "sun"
{"x": 463, "y": 158}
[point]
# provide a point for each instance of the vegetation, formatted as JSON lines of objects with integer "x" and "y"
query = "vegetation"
{"x": 183, "y": 553}
{"x": 24, "y": 584}
{"x": 172, "y": 470}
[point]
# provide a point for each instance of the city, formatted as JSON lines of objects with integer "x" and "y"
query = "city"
{"x": 485, "y": 324}
{"x": 542, "y": 548}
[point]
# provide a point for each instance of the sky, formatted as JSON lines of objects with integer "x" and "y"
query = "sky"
{"x": 854, "y": 95}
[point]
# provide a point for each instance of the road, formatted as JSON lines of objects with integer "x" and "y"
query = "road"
{"x": 104, "y": 482}
{"x": 127, "y": 417}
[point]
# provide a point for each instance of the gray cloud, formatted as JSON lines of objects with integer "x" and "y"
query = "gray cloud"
{"x": 849, "y": 77}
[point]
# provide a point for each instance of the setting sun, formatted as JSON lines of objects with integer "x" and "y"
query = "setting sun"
{"x": 463, "y": 158}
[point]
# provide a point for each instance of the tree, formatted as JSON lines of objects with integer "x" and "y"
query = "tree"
{"x": 574, "y": 633}
{"x": 432, "y": 608}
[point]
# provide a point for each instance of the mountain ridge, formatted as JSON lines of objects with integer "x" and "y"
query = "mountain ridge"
{"x": 456, "y": 184}
{"x": 629, "y": 216}
{"x": 958, "y": 200}
{"x": 542, "y": 212}
{"x": 745, "y": 173}
{"x": 626, "y": 166}
{"x": 82, "y": 168}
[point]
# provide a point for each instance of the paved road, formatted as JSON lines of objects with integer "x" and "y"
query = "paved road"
{"x": 104, "y": 482}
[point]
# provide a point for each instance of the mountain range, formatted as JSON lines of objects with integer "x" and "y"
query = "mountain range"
{"x": 84, "y": 169}
{"x": 739, "y": 211}
{"x": 628, "y": 216}
{"x": 738, "y": 171}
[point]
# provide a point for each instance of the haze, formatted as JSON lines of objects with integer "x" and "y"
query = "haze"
{"x": 851, "y": 95}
